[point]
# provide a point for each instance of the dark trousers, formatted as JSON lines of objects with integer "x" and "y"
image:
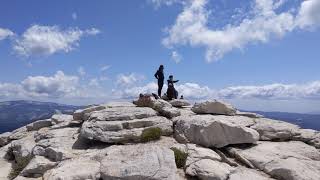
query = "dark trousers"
{"x": 160, "y": 85}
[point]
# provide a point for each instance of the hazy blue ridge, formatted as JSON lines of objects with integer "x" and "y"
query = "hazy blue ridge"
{"x": 14, "y": 114}
{"x": 306, "y": 121}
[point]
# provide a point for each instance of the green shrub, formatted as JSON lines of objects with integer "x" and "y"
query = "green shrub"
{"x": 180, "y": 157}
{"x": 151, "y": 134}
{"x": 18, "y": 167}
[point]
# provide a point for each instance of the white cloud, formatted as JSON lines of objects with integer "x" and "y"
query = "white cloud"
{"x": 5, "y": 33}
{"x": 188, "y": 90}
{"x": 46, "y": 40}
{"x": 133, "y": 92}
{"x": 74, "y": 16}
{"x": 191, "y": 26}
{"x": 194, "y": 91}
{"x": 274, "y": 91}
{"x": 128, "y": 80}
{"x": 104, "y": 68}
{"x": 176, "y": 57}
{"x": 58, "y": 88}
{"x": 103, "y": 78}
{"x": 81, "y": 71}
{"x": 158, "y": 3}
{"x": 309, "y": 14}
{"x": 94, "y": 82}
{"x": 55, "y": 86}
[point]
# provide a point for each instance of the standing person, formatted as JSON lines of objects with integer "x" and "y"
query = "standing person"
{"x": 160, "y": 76}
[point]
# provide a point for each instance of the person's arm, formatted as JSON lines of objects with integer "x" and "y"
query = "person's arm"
{"x": 156, "y": 75}
{"x": 175, "y": 81}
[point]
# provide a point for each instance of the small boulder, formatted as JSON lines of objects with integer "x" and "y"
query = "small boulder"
{"x": 249, "y": 114}
{"x": 123, "y": 131}
{"x": 77, "y": 168}
{"x": 214, "y": 107}
{"x": 292, "y": 160}
{"x": 179, "y": 103}
{"x": 78, "y": 115}
{"x": 39, "y": 124}
{"x": 4, "y": 138}
{"x": 270, "y": 129}
{"x": 60, "y": 118}
{"x": 142, "y": 161}
{"x": 119, "y": 104}
{"x": 37, "y": 167}
{"x": 207, "y": 169}
{"x": 22, "y": 149}
{"x": 213, "y": 131}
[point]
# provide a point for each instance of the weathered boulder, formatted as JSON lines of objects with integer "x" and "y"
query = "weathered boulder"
{"x": 291, "y": 160}
{"x": 78, "y": 115}
{"x": 309, "y": 136}
{"x": 179, "y": 103}
{"x": 59, "y": 144}
{"x": 163, "y": 107}
{"x": 197, "y": 153}
{"x": 206, "y": 169}
{"x": 275, "y": 130}
{"x": 37, "y": 167}
{"x": 72, "y": 169}
{"x": 139, "y": 162}
{"x": 121, "y": 114}
{"x": 214, "y": 107}
{"x": 39, "y": 124}
{"x": 60, "y": 118}
{"x": 22, "y": 149}
{"x": 119, "y": 104}
{"x": 19, "y": 133}
{"x": 213, "y": 131}
{"x": 242, "y": 173}
{"x": 170, "y": 112}
{"x": 4, "y": 138}
{"x": 5, "y": 164}
{"x": 249, "y": 114}
{"x": 27, "y": 178}
{"x": 145, "y": 100}
{"x": 123, "y": 131}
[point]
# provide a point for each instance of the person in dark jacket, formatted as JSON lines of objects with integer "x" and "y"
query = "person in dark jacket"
{"x": 160, "y": 76}
{"x": 172, "y": 93}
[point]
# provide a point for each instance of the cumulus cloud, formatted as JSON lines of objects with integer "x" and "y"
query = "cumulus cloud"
{"x": 274, "y": 91}
{"x": 54, "y": 86}
{"x": 176, "y": 57}
{"x": 74, "y": 16}
{"x": 5, "y": 33}
{"x": 94, "y": 82}
{"x": 104, "y": 68}
{"x": 81, "y": 71}
{"x": 194, "y": 91}
{"x": 158, "y": 3}
{"x": 191, "y": 26}
{"x": 129, "y": 79}
{"x": 46, "y": 40}
{"x": 189, "y": 90}
{"x": 58, "y": 87}
{"x": 309, "y": 14}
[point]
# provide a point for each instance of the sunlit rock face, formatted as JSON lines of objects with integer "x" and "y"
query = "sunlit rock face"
{"x": 212, "y": 140}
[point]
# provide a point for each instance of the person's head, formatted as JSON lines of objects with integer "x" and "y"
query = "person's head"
{"x": 161, "y": 67}
{"x": 170, "y": 77}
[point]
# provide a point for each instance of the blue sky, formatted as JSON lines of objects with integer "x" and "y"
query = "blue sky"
{"x": 258, "y": 54}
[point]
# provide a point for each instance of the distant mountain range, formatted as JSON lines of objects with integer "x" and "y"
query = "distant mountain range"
{"x": 14, "y": 114}
{"x": 306, "y": 121}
